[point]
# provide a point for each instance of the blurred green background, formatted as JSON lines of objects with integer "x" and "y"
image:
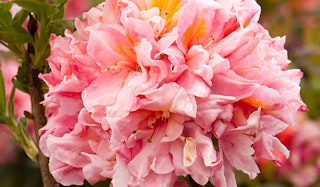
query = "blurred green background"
{"x": 299, "y": 20}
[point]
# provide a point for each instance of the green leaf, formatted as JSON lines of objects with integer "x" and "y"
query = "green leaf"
{"x": 96, "y": 2}
{"x": 18, "y": 50}
{"x": 11, "y": 102}
{"x": 209, "y": 184}
{"x": 4, "y": 119}
{"x": 23, "y": 74}
{"x": 5, "y": 18}
{"x": 59, "y": 15}
{"x": 41, "y": 9}
{"x": 22, "y": 87}
{"x": 15, "y": 35}
{"x": 5, "y": 6}
{"x": 20, "y": 17}
{"x": 23, "y": 122}
{"x": 2, "y": 94}
{"x": 60, "y": 4}
{"x": 58, "y": 27}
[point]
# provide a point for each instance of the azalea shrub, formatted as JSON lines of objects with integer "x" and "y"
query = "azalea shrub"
{"x": 146, "y": 91}
{"x": 165, "y": 93}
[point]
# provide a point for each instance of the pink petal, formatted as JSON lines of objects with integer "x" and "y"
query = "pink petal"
{"x": 189, "y": 151}
{"x": 92, "y": 94}
{"x": 200, "y": 23}
{"x": 108, "y": 45}
{"x": 238, "y": 150}
{"x": 66, "y": 175}
{"x": 64, "y": 150}
{"x": 266, "y": 145}
{"x": 98, "y": 169}
{"x": 176, "y": 100}
{"x": 212, "y": 107}
{"x": 174, "y": 128}
{"x": 230, "y": 84}
{"x": 161, "y": 166}
{"x": 193, "y": 84}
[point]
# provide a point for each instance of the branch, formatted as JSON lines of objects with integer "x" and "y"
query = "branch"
{"x": 39, "y": 121}
{"x": 38, "y": 110}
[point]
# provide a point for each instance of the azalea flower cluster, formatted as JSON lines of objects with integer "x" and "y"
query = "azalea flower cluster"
{"x": 303, "y": 166}
{"x": 146, "y": 91}
{"x": 9, "y": 68}
{"x": 7, "y": 147}
{"x": 21, "y": 100}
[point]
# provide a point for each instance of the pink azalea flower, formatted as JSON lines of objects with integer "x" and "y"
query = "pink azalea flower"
{"x": 146, "y": 91}
{"x": 22, "y": 103}
{"x": 307, "y": 5}
{"x": 302, "y": 167}
{"x": 75, "y": 8}
{"x": 8, "y": 148}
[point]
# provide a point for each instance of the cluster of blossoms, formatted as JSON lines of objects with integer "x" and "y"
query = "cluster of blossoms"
{"x": 9, "y": 68}
{"x": 21, "y": 100}
{"x": 146, "y": 91}
{"x": 303, "y": 166}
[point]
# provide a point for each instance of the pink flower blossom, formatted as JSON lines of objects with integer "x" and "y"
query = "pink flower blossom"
{"x": 75, "y": 8}
{"x": 7, "y": 147}
{"x": 9, "y": 68}
{"x": 146, "y": 91}
{"x": 22, "y": 103}
{"x": 303, "y": 166}
{"x": 307, "y": 5}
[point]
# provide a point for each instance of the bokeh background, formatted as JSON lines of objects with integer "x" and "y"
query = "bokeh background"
{"x": 299, "y": 21}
